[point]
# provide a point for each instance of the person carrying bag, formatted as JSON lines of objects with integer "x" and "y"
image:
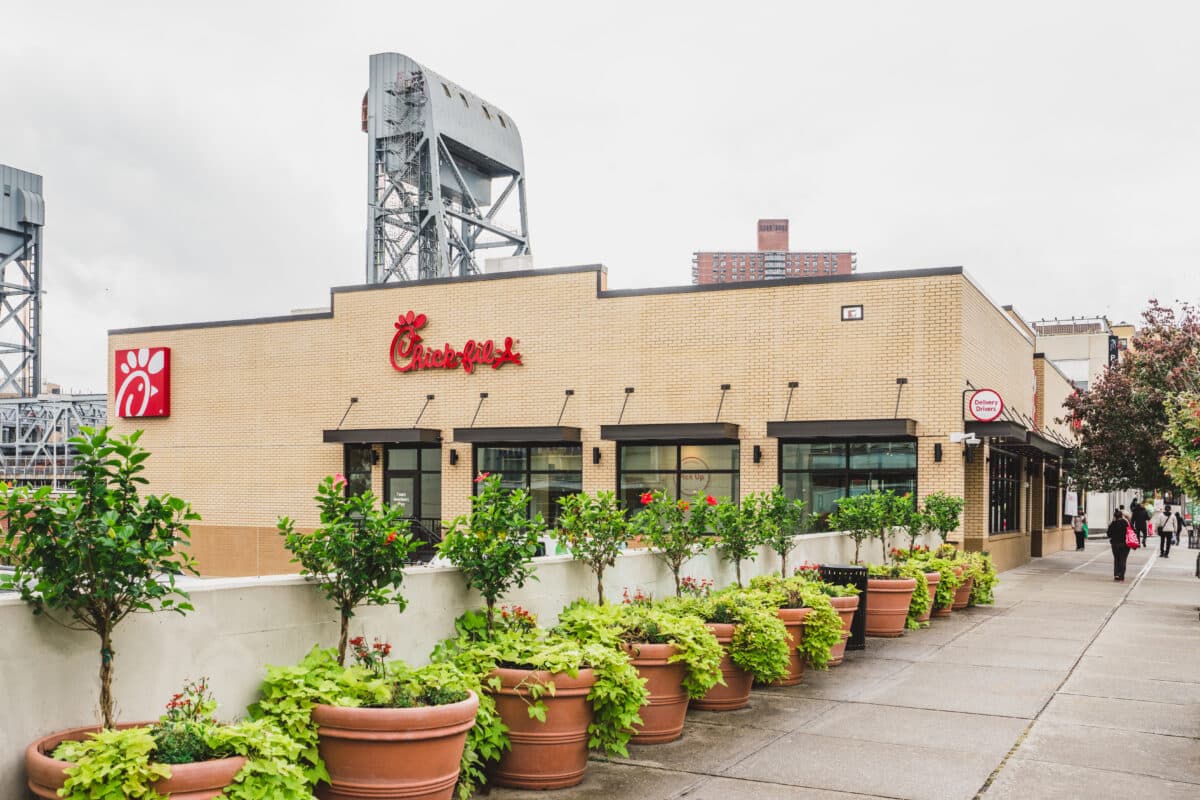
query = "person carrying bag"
{"x": 1167, "y": 531}
{"x": 1119, "y": 533}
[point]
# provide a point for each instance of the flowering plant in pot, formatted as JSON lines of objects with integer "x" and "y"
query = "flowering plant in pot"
{"x": 677, "y": 655}
{"x": 596, "y": 529}
{"x": 89, "y": 558}
{"x": 356, "y": 556}
{"x": 897, "y": 594}
{"x": 676, "y": 529}
{"x": 843, "y": 598}
{"x": 493, "y": 546}
{"x": 755, "y": 641}
{"x": 777, "y": 521}
{"x": 401, "y": 731}
{"x": 982, "y": 590}
{"x": 582, "y": 695}
{"x": 819, "y": 628}
{"x": 949, "y": 581}
{"x": 186, "y": 753}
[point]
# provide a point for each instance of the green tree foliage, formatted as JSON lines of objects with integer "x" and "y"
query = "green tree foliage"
{"x": 1182, "y": 462}
{"x": 737, "y": 534}
{"x": 676, "y": 529}
{"x": 942, "y": 513}
{"x": 596, "y": 529}
{"x": 90, "y": 558}
{"x": 777, "y": 521}
{"x": 356, "y": 556}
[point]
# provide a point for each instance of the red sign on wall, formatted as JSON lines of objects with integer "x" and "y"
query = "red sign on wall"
{"x": 408, "y": 354}
{"x": 985, "y": 405}
{"x": 143, "y": 382}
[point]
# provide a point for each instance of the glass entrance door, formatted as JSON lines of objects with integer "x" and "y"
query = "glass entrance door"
{"x": 413, "y": 482}
{"x": 402, "y": 493}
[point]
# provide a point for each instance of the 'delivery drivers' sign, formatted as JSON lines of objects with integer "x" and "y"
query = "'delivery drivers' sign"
{"x": 408, "y": 354}
{"x": 985, "y": 405}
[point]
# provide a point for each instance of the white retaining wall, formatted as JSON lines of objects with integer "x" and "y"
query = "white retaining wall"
{"x": 48, "y": 675}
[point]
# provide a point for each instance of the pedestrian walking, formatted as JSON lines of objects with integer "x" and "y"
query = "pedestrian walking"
{"x": 1139, "y": 516}
{"x": 1079, "y": 525}
{"x": 1118, "y": 529}
{"x": 1168, "y": 530}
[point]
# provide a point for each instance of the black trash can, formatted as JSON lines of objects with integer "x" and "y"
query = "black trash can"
{"x": 855, "y": 576}
{"x": 1193, "y": 538}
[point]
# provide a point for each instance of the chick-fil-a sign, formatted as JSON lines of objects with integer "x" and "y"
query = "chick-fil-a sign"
{"x": 409, "y": 354}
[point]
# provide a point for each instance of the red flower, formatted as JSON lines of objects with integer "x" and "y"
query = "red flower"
{"x": 683, "y": 504}
{"x": 356, "y": 641}
{"x": 483, "y": 476}
{"x": 712, "y": 501}
{"x": 647, "y": 498}
{"x": 391, "y": 537}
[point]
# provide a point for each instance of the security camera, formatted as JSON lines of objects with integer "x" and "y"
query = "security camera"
{"x": 964, "y": 438}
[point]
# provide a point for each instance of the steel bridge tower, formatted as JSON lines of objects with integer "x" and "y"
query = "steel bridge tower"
{"x": 433, "y": 152}
{"x": 22, "y": 215}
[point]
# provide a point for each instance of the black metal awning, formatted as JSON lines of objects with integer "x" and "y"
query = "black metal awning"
{"x": 1045, "y": 446}
{"x": 534, "y": 434}
{"x": 1010, "y": 432}
{"x": 384, "y": 436}
{"x": 844, "y": 429}
{"x": 682, "y": 432}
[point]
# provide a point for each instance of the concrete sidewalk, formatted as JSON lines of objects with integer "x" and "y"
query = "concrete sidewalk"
{"x": 1071, "y": 686}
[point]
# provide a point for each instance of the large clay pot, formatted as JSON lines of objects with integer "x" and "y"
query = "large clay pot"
{"x": 887, "y": 605}
{"x": 544, "y": 755}
{"x": 945, "y": 611}
{"x": 932, "y": 579}
{"x": 202, "y": 780}
{"x": 963, "y": 595}
{"x": 793, "y": 621}
{"x": 665, "y": 710}
{"x": 846, "y": 608}
{"x": 393, "y": 753}
{"x": 735, "y": 693}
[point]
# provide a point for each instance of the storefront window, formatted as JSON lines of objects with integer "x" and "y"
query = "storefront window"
{"x": 1052, "y": 498}
{"x": 357, "y": 469}
{"x": 547, "y": 473}
{"x": 821, "y": 473}
{"x": 677, "y": 470}
{"x": 413, "y": 481}
{"x": 1004, "y": 482}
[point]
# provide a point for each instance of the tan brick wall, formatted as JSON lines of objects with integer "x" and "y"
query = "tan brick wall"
{"x": 249, "y": 402}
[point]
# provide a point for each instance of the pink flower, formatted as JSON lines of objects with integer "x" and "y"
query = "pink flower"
{"x": 483, "y": 476}
{"x": 339, "y": 478}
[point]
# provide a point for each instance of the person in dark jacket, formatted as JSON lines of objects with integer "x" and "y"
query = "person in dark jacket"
{"x": 1116, "y": 537}
{"x": 1139, "y": 516}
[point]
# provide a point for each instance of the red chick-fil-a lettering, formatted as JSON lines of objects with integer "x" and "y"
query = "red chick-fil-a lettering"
{"x": 408, "y": 354}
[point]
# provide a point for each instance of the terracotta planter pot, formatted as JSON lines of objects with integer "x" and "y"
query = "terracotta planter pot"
{"x": 793, "y": 620}
{"x": 887, "y": 605}
{"x": 549, "y": 755}
{"x": 963, "y": 595}
{"x": 945, "y": 611}
{"x": 735, "y": 693}
{"x": 202, "y": 780}
{"x": 665, "y": 711}
{"x": 932, "y": 579}
{"x": 410, "y": 753}
{"x": 846, "y": 608}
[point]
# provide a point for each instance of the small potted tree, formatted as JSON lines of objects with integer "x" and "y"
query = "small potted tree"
{"x": 596, "y": 530}
{"x": 777, "y": 521}
{"x": 676, "y": 529}
{"x": 889, "y": 590}
{"x": 942, "y": 513}
{"x": 738, "y": 537}
{"x": 88, "y": 559}
{"x": 493, "y": 547}
{"x": 356, "y": 556}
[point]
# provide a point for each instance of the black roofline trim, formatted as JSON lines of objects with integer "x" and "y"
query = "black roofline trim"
{"x": 529, "y": 434}
{"x": 598, "y": 269}
{"x": 382, "y": 436}
{"x": 838, "y": 429}
{"x": 672, "y": 432}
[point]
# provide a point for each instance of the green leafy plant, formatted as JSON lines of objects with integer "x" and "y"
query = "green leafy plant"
{"x": 823, "y": 627}
{"x": 950, "y": 581}
{"x": 873, "y": 515}
{"x": 631, "y": 625}
{"x": 737, "y": 536}
{"x": 942, "y": 513}
{"x": 596, "y": 529}
{"x": 914, "y": 521}
{"x": 90, "y": 558}
{"x": 112, "y": 764}
{"x": 919, "y": 602}
{"x": 676, "y": 529}
{"x": 777, "y": 521}
{"x": 760, "y": 642}
{"x": 982, "y": 591}
{"x": 495, "y": 544}
{"x": 357, "y": 554}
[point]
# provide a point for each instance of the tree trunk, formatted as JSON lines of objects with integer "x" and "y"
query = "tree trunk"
{"x": 491, "y": 615}
{"x": 857, "y": 551}
{"x": 737, "y": 569}
{"x": 106, "y": 676}
{"x": 343, "y": 637}
{"x": 600, "y": 585}
{"x": 675, "y": 574}
{"x": 783, "y": 565}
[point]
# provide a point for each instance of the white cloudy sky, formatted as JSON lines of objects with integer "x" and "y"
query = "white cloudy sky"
{"x": 204, "y": 160}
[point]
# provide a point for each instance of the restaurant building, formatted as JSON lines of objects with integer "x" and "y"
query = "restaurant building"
{"x": 827, "y": 386}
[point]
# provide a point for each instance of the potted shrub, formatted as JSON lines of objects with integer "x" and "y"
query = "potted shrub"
{"x": 777, "y": 521}
{"x": 813, "y": 625}
{"x": 379, "y": 728}
{"x": 557, "y": 697}
{"x": 676, "y": 655}
{"x": 942, "y": 513}
{"x": 919, "y": 555}
{"x": 755, "y": 642}
{"x": 88, "y": 559}
{"x": 676, "y": 529}
{"x": 596, "y": 530}
{"x": 493, "y": 547}
{"x": 356, "y": 556}
{"x": 737, "y": 536}
{"x": 843, "y": 598}
{"x": 985, "y": 580}
{"x": 890, "y": 589}
{"x": 186, "y": 754}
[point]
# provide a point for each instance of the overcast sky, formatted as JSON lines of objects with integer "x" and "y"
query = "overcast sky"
{"x": 204, "y": 161}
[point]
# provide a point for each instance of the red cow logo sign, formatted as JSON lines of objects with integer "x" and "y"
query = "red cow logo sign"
{"x": 143, "y": 382}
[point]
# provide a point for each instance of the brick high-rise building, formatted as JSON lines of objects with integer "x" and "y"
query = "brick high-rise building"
{"x": 771, "y": 260}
